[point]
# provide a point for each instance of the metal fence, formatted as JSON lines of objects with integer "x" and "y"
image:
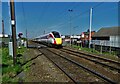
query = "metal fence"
{"x": 106, "y": 43}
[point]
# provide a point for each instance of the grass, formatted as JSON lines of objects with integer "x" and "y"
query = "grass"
{"x": 9, "y": 71}
{"x": 85, "y": 49}
{"x": 111, "y": 55}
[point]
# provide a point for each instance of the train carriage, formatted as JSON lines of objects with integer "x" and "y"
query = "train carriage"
{"x": 52, "y": 39}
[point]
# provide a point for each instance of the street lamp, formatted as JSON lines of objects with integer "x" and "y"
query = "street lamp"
{"x": 70, "y": 10}
{"x": 90, "y": 27}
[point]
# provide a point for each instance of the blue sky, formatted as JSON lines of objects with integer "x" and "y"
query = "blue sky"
{"x": 38, "y": 17}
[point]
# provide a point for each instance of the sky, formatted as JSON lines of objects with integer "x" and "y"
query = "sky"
{"x": 38, "y": 17}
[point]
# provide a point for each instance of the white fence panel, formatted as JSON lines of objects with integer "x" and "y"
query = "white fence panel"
{"x": 106, "y": 43}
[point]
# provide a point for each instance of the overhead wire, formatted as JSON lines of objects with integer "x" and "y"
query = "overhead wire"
{"x": 77, "y": 16}
{"x": 88, "y": 10}
{"x": 63, "y": 12}
{"x": 97, "y": 5}
{"x": 24, "y": 16}
{"x": 1, "y": 10}
{"x": 40, "y": 18}
{"x": 10, "y": 21}
{"x": 43, "y": 13}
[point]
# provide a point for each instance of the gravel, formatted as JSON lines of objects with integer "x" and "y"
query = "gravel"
{"x": 43, "y": 70}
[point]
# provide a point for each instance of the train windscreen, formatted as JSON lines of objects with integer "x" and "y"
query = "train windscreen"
{"x": 56, "y": 34}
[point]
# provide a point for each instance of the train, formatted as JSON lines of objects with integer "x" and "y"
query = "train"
{"x": 52, "y": 39}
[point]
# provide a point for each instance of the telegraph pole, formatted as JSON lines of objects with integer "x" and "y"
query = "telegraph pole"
{"x": 90, "y": 27}
{"x": 70, "y": 10}
{"x": 13, "y": 26}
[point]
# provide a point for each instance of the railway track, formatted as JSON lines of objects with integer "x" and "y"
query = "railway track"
{"x": 91, "y": 55}
{"x": 72, "y": 68}
{"x": 111, "y": 64}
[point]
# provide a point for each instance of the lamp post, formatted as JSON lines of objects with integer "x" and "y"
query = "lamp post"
{"x": 70, "y": 10}
{"x": 90, "y": 27}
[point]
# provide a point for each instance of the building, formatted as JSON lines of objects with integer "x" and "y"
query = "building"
{"x": 85, "y": 35}
{"x": 5, "y": 39}
{"x": 109, "y": 36}
{"x": 85, "y": 38}
{"x": 66, "y": 39}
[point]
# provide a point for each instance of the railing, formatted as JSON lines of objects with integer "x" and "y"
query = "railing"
{"x": 106, "y": 43}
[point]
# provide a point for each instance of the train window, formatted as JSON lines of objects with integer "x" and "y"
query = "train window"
{"x": 56, "y": 34}
{"x": 44, "y": 37}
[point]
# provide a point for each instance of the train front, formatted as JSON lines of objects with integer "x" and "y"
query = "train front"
{"x": 57, "y": 39}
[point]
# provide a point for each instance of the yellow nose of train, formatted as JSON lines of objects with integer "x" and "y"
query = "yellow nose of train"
{"x": 58, "y": 41}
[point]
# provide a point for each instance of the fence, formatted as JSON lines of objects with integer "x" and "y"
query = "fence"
{"x": 106, "y": 43}
{"x": 106, "y": 46}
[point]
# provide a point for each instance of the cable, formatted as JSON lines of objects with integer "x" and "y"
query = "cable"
{"x": 63, "y": 12}
{"x": 44, "y": 12}
{"x": 76, "y": 17}
{"x": 10, "y": 21}
{"x": 88, "y": 10}
{"x": 24, "y": 16}
{"x": 97, "y": 5}
{"x": 1, "y": 10}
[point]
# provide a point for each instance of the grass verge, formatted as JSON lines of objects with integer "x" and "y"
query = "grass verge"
{"x": 9, "y": 71}
{"x": 111, "y": 55}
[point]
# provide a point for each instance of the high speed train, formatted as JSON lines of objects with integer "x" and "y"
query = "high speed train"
{"x": 52, "y": 39}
